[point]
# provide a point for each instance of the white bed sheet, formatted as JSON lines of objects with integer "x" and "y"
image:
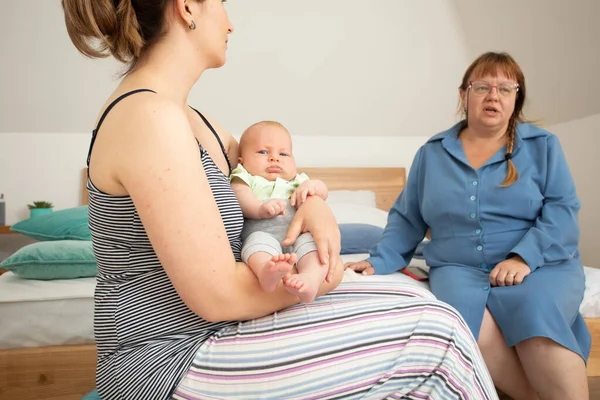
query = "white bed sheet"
{"x": 45, "y": 313}
{"x": 590, "y": 306}
{"x": 52, "y": 313}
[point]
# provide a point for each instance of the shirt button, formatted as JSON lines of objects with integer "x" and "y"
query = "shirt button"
{"x": 475, "y": 183}
{"x": 478, "y": 231}
{"x": 479, "y": 248}
{"x": 486, "y": 288}
{"x": 473, "y": 198}
{"x": 484, "y": 265}
{"x": 472, "y": 215}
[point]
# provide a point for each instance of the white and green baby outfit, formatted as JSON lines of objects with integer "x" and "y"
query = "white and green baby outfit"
{"x": 266, "y": 235}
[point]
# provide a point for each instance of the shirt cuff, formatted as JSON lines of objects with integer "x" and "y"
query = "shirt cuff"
{"x": 527, "y": 249}
{"x": 378, "y": 264}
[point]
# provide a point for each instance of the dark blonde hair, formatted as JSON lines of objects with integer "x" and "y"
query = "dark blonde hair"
{"x": 494, "y": 64}
{"x": 121, "y": 28}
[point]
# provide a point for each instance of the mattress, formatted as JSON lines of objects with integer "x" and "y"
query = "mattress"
{"x": 51, "y": 313}
{"x": 45, "y": 313}
{"x": 590, "y": 306}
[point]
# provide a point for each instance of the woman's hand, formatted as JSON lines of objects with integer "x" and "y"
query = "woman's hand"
{"x": 364, "y": 267}
{"x": 315, "y": 216}
{"x": 510, "y": 272}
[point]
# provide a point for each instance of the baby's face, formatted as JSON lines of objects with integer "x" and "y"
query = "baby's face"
{"x": 267, "y": 152}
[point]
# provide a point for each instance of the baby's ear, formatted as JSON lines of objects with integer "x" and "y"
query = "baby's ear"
{"x": 240, "y": 160}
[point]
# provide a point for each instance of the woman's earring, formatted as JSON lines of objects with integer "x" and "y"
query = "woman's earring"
{"x": 192, "y": 26}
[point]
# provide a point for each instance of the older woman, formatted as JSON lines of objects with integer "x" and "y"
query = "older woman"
{"x": 175, "y": 315}
{"x": 499, "y": 199}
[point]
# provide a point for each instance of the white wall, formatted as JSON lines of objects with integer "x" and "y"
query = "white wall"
{"x": 356, "y": 82}
{"x": 580, "y": 141}
{"x": 41, "y": 167}
{"x": 334, "y": 67}
{"x": 48, "y": 166}
{"x": 554, "y": 41}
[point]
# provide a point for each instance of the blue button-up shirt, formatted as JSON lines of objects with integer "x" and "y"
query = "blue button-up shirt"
{"x": 474, "y": 221}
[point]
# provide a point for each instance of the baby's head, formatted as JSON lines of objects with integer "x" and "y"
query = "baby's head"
{"x": 266, "y": 150}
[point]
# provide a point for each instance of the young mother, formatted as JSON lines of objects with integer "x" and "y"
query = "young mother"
{"x": 176, "y": 314}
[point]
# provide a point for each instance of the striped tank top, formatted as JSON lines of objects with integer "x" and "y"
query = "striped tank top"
{"x": 145, "y": 335}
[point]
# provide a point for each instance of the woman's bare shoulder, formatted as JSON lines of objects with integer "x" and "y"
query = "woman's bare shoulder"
{"x": 229, "y": 141}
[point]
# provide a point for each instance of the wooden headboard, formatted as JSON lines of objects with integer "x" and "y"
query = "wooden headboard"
{"x": 387, "y": 183}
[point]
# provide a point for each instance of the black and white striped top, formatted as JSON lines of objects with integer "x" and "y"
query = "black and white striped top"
{"x": 146, "y": 336}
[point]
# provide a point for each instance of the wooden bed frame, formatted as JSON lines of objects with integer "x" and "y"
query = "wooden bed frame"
{"x": 68, "y": 372}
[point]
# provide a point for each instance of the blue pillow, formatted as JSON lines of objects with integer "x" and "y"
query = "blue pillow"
{"x": 359, "y": 238}
{"x": 69, "y": 224}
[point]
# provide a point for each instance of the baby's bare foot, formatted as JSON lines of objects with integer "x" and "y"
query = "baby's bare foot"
{"x": 275, "y": 269}
{"x": 301, "y": 285}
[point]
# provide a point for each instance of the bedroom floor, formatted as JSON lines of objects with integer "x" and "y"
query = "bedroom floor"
{"x": 594, "y": 384}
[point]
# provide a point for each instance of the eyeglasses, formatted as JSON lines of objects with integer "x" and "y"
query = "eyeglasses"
{"x": 481, "y": 88}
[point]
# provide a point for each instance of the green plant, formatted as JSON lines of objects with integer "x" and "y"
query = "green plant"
{"x": 40, "y": 204}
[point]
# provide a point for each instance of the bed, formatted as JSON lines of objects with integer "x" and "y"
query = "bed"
{"x": 67, "y": 371}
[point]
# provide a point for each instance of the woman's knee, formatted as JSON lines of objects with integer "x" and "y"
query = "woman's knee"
{"x": 489, "y": 333}
{"x": 538, "y": 344}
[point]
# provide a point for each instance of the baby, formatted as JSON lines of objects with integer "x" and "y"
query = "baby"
{"x": 269, "y": 189}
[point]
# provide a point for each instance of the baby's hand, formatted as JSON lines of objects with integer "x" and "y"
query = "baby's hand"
{"x": 271, "y": 208}
{"x": 301, "y": 193}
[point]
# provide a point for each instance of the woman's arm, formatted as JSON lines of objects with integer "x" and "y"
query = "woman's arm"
{"x": 315, "y": 216}
{"x": 160, "y": 167}
{"x": 404, "y": 230}
{"x": 554, "y": 237}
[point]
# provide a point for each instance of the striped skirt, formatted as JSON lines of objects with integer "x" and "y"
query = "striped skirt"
{"x": 364, "y": 340}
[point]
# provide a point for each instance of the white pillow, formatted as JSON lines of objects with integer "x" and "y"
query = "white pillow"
{"x": 358, "y": 197}
{"x": 346, "y": 213}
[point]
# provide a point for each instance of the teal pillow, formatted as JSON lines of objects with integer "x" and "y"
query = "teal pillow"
{"x": 69, "y": 224}
{"x": 59, "y": 259}
{"x": 93, "y": 395}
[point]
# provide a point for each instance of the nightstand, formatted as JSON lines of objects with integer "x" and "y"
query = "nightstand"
{"x": 5, "y": 229}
